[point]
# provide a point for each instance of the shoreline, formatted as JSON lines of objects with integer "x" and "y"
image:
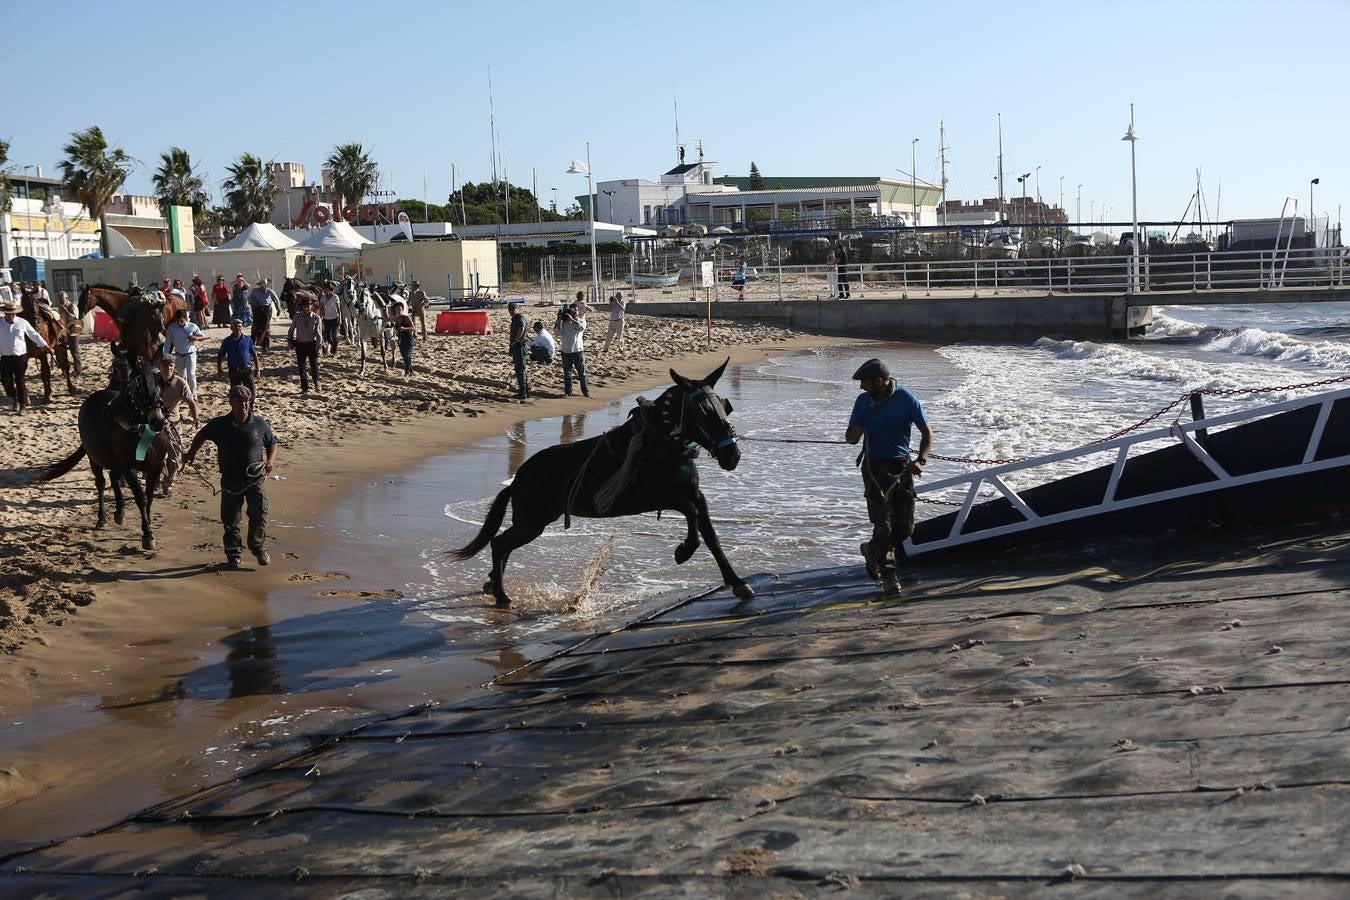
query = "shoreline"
{"x": 167, "y": 609}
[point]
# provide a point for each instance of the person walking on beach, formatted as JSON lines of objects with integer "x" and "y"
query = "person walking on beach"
{"x": 238, "y": 351}
{"x": 738, "y": 279}
{"x": 15, "y": 335}
{"x": 174, "y": 391}
{"x": 542, "y": 345}
{"x": 572, "y": 325}
{"x": 220, "y": 298}
{"x": 239, "y": 308}
{"x": 618, "y": 307}
{"x": 883, "y": 416}
{"x": 246, "y": 453}
{"x": 831, "y": 274}
{"x": 303, "y": 338}
{"x": 332, "y": 315}
{"x": 263, "y": 304}
{"x": 417, "y": 305}
{"x": 180, "y": 343}
{"x": 518, "y": 346}
{"x": 405, "y": 329}
{"x": 841, "y": 267}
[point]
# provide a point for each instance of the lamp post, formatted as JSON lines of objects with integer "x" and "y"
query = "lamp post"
{"x": 609, "y": 195}
{"x": 1311, "y": 225}
{"x": 579, "y": 168}
{"x": 555, "y": 200}
{"x": 913, "y": 179}
{"x": 1022, "y": 186}
{"x": 1134, "y": 204}
{"x": 1038, "y": 194}
{"x": 28, "y": 209}
{"x": 1078, "y": 212}
{"x": 1061, "y": 193}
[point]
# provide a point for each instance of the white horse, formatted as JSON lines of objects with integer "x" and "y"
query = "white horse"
{"x": 348, "y": 294}
{"x": 370, "y": 320}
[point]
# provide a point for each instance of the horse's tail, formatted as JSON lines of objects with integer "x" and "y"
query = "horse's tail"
{"x": 57, "y": 469}
{"x": 494, "y": 521}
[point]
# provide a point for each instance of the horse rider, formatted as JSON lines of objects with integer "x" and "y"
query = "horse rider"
{"x": 74, "y": 325}
{"x": 173, "y": 391}
{"x": 884, "y": 415}
{"x": 15, "y": 335}
{"x": 417, "y": 305}
{"x": 246, "y": 453}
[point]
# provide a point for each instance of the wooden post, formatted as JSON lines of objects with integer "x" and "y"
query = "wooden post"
{"x": 1198, "y": 413}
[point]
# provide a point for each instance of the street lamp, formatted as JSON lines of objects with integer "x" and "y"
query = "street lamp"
{"x": 1061, "y": 193}
{"x": 1022, "y": 182}
{"x": 555, "y": 200}
{"x": 1038, "y": 193}
{"x": 610, "y": 196}
{"x": 1078, "y": 213}
{"x": 913, "y": 179}
{"x": 584, "y": 168}
{"x": 1134, "y": 202}
{"x": 1311, "y": 225}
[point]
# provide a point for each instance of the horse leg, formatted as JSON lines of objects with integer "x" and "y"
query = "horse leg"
{"x": 119, "y": 502}
{"x": 518, "y": 535}
{"x": 384, "y": 345}
{"x": 45, "y": 367}
{"x": 63, "y": 360}
{"x": 705, "y": 527}
{"x": 361, "y": 339}
{"x": 99, "y": 483}
{"x": 686, "y": 548}
{"x": 142, "y": 498}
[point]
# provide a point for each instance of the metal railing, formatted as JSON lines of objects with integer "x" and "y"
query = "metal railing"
{"x": 558, "y": 278}
{"x": 972, "y": 483}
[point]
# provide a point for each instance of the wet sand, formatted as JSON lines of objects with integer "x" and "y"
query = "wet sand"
{"x": 174, "y": 654}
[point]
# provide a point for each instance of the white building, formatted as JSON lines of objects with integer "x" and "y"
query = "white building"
{"x": 41, "y": 224}
{"x": 690, "y": 193}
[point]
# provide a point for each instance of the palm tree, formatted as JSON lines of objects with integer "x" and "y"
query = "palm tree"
{"x": 4, "y": 176}
{"x": 251, "y": 190}
{"x": 94, "y": 172}
{"x": 177, "y": 183}
{"x": 355, "y": 174}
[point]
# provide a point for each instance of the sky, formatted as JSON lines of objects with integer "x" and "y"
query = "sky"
{"x": 1246, "y": 92}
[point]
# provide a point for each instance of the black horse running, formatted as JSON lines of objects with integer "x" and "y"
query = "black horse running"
{"x": 644, "y": 465}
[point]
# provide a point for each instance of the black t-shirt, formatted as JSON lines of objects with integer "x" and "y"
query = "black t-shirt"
{"x": 239, "y": 446}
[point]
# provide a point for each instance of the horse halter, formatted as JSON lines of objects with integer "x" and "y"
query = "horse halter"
{"x": 705, "y": 403}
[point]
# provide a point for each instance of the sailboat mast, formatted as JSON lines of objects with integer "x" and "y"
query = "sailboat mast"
{"x": 942, "y": 161}
{"x": 1001, "y": 217}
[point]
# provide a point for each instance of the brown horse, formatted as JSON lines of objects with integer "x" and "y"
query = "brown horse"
{"x": 142, "y": 334}
{"x": 54, "y": 334}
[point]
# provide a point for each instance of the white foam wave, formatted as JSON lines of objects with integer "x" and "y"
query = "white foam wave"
{"x": 1165, "y": 326}
{"x": 1283, "y": 348}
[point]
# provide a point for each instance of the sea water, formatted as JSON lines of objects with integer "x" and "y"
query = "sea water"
{"x": 794, "y": 506}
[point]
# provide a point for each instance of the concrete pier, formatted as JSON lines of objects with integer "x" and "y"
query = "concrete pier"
{"x": 937, "y": 317}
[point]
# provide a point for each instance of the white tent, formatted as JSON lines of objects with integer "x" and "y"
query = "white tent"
{"x": 333, "y": 239}
{"x": 258, "y": 236}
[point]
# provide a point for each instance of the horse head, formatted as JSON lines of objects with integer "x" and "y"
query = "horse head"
{"x": 143, "y": 395}
{"x": 703, "y": 417}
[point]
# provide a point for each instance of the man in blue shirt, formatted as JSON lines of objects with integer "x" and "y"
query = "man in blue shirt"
{"x": 885, "y": 414}
{"x": 238, "y": 350}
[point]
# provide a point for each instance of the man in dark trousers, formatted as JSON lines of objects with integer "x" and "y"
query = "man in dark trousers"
{"x": 520, "y": 354}
{"x": 841, "y": 267}
{"x": 884, "y": 413}
{"x": 246, "y": 452}
{"x": 238, "y": 351}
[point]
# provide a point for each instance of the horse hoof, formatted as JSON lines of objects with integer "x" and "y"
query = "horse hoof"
{"x": 503, "y": 603}
{"x": 100, "y": 524}
{"x": 119, "y": 518}
{"x": 488, "y": 589}
{"x": 742, "y": 590}
{"x": 147, "y": 543}
{"x": 683, "y": 552}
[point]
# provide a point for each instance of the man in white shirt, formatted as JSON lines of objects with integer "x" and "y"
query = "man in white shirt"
{"x": 180, "y": 343}
{"x": 15, "y": 336}
{"x": 332, "y": 316}
{"x": 617, "y": 307}
{"x": 572, "y": 325}
{"x": 542, "y": 346}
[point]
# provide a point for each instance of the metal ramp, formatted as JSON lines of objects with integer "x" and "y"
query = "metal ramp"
{"x": 1301, "y": 453}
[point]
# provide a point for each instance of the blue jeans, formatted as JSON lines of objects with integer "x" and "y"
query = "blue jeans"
{"x": 577, "y": 360}
{"x": 405, "y": 345}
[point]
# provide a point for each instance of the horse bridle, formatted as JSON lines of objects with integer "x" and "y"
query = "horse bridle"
{"x": 704, "y": 399}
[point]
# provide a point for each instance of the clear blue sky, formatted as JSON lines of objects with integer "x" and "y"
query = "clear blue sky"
{"x": 1250, "y": 92}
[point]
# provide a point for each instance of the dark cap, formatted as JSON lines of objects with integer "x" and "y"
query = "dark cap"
{"x": 240, "y": 392}
{"x": 873, "y": 368}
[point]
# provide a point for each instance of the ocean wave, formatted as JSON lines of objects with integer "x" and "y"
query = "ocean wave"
{"x": 1282, "y": 348}
{"x": 1171, "y": 329}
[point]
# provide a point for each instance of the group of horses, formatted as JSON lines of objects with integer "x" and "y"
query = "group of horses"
{"x": 366, "y": 312}
{"x": 643, "y": 465}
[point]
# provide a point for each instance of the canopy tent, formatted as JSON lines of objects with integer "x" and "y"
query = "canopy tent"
{"x": 258, "y": 236}
{"x": 333, "y": 239}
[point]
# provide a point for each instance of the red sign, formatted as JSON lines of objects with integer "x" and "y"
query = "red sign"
{"x": 314, "y": 212}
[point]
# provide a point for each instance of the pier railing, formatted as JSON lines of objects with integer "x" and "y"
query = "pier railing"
{"x": 1110, "y": 273}
{"x": 992, "y": 483}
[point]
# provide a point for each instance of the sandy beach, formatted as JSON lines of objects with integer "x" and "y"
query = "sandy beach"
{"x": 84, "y": 613}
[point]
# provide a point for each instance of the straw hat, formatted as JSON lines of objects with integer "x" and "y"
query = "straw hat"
{"x": 8, "y": 306}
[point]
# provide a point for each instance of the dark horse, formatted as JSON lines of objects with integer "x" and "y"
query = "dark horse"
{"x": 111, "y": 447}
{"x": 288, "y": 291}
{"x": 644, "y": 465}
{"x": 141, "y": 320}
{"x": 54, "y": 333}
